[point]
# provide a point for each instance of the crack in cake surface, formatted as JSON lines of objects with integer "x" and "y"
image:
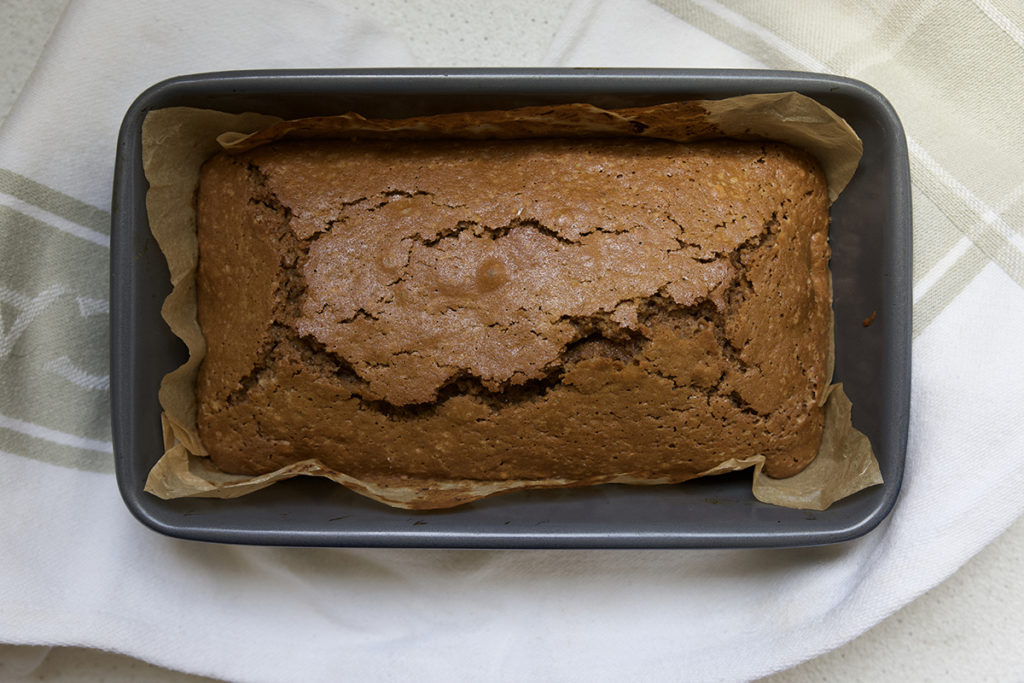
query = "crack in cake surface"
{"x": 594, "y": 330}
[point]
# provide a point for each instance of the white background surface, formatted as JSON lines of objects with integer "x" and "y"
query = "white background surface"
{"x": 968, "y": 628}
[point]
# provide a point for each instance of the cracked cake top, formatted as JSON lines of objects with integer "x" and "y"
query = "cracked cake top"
{"x": 489, "y": 263}
{"x": 544, "y": 311}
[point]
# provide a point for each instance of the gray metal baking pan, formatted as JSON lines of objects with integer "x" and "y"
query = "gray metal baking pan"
{"x": 871, "y": 266}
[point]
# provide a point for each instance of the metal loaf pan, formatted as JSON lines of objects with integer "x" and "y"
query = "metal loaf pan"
{"x": 871, "y": 266}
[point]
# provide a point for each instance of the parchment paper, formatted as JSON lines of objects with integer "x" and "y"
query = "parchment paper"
{"x": 177, "y": 141}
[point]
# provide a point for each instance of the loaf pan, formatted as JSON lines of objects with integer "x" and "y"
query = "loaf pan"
{"x": 871, "y": 266}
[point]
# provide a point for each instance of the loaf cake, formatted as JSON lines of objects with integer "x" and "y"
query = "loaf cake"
{"x": 538, "y": 312}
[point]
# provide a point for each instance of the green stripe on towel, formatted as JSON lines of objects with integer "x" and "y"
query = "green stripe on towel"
{"x": 55, "y": 202}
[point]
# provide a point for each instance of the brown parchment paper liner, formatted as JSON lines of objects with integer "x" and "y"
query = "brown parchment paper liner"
{"x": 176, "y": 142}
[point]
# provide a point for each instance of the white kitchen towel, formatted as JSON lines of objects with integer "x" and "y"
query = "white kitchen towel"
{"x": 76, "y": 568}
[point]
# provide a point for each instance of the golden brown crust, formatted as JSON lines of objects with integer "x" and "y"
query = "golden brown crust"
{"x": 513, "y": 310}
